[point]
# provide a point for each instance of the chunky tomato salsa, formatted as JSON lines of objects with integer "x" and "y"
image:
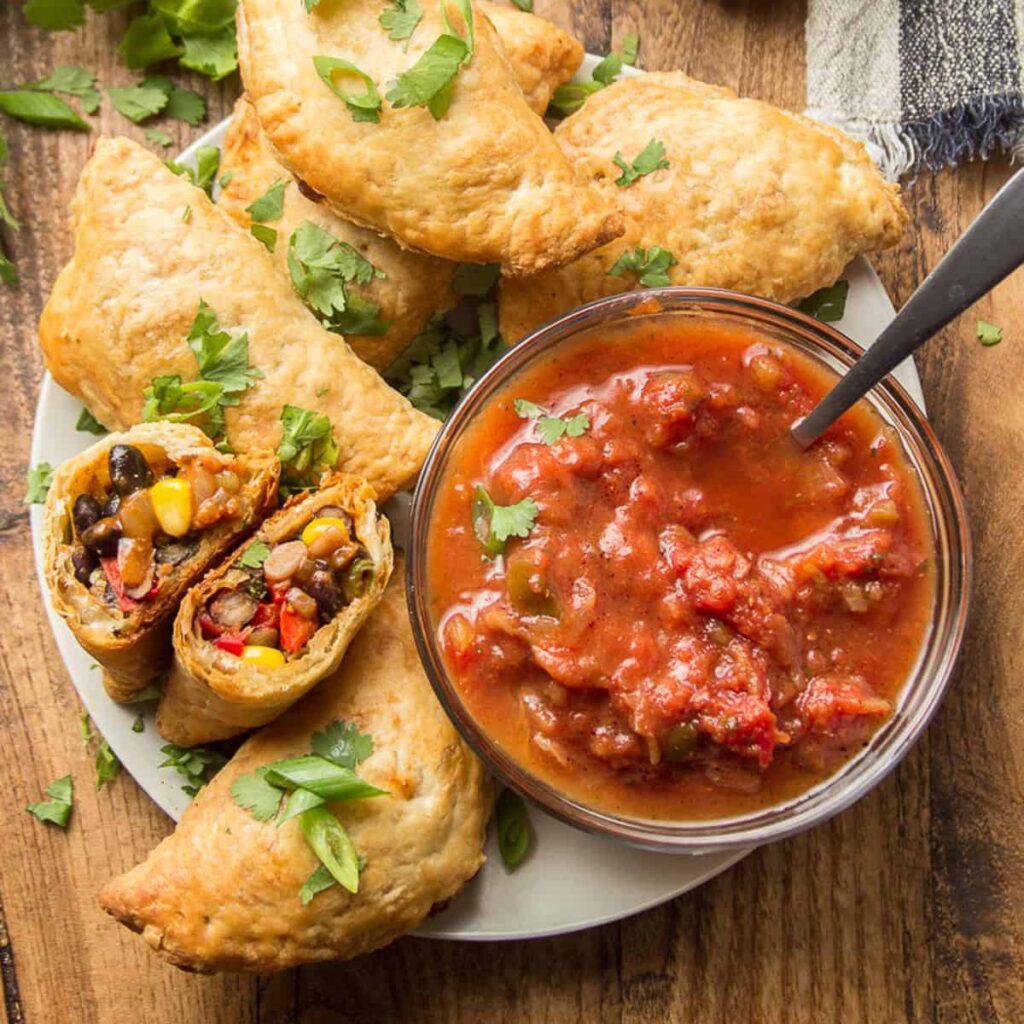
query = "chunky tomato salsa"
{"x": 650, "y": 597}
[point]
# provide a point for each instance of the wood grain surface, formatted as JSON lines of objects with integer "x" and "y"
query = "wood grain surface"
{"x": 908, "y": 907}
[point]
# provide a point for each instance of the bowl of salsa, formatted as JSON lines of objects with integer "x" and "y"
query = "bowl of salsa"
{"x": 648, "y": 610}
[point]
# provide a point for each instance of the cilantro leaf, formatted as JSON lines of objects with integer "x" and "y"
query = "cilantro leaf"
{"x": 343, "y": 743}
{"x": 988, "y": 334}
{"x": 214, "y": 55}
{"x": 402, "y": 19}
{"x": 551, "y": 428}
{"x": 137, "y": 102}
{"x": 651, "y": 158}
{"x": 475, "y": 278}
{"x": 630, "y": 48}
{"x": 524, "y": 5}
{"x": 317, "y": 882}
{"x": 88, "y": 424}
{"x": 151, "y": 692}
{"x": 495, "y": 524}
{"x": 55, "y": 15}
{"x": 365, "y": 106}
{"x": 264, "y": 234}
{"x": 147, "y": 41}
{"x": 650, "y": 265}
{"x": 254, "y": 555}
{"x": 207, "y": 165}
{"x": 568, "y": 98}
{"x": 222, "y": 358}
{"x": 197, "y": 764}
{"x": 42, "y": 108}
{"x": 167, "y": 398}
{"x": 107, "y": 764}
{"x": 359, "y": 318}
{"x": 307, "y": 446}
{"x": 183, "y": 104}
{"x": 225, "y": 178}
{"x": 256, "y": 795}
{"x": 38, "y": 480}
{"x": 57, "y": 809}
{"x": 158, "y": 138}
{"x": 199, "y": 16}
{"x": 84, "y": 729}
{"x": 71, "y": 81}
{"x": 270, "y": 205}
{"x": 181, "y": 170}
{"x": 827, "y": 304}
{"x": 429, "y": 81}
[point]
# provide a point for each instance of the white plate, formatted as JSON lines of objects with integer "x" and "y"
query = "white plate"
{"x": 571, "y": 880}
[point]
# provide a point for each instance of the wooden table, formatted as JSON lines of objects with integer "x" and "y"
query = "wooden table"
{"x": 908, "y": 907}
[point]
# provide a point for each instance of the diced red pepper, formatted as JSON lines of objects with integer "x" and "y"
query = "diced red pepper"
{"x": 295, "y": 630}
{"x": 113, "y": 574}
{"x": 266, "y": 616}
{"x": 232, "y": 644}
{"x": 209, "y": 626}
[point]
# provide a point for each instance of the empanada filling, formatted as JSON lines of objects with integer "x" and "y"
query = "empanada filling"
{"x": 141, "y": 520}
{"x": 294, "y": 588}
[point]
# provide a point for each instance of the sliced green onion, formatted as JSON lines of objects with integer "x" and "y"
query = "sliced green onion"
{"x": 298, "y": 801}
{"x": 327, "y": 780}
{"x": 483, "y": 510}
{"x": 331, "y": 843}
{"x": 513, "y": 826}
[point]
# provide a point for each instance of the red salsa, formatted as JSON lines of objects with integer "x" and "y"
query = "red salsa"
{"x": 651, "y": 598}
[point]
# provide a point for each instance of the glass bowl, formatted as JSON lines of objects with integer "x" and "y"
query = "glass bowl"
{"x": 928, "y": 680}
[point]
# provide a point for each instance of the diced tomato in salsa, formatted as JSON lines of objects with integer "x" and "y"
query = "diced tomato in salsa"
{"x": 702, "y": 619}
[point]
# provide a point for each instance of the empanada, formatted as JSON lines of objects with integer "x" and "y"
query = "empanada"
{"x": 222, "y": 892}
{"x": 542, "y": 56}
{"x": 148, "y": 248}
{"x": 414, "y": 286}
{"x": 115, "y": 575}
{"x": 244, "y": 650}
{"x": 754, "y": 198}
{"x": 484, "y": 183}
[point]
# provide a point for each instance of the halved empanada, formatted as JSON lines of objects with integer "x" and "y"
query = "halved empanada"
{"x": 415, "y": 286}
{"x": 222, "y": 892}
{"x": 96, "y": 531}
{"x": 484, "y": 183}
{"x": 215, "y": 689}
{"x": 148, "y": 247}
{"x": 754, "y": 198}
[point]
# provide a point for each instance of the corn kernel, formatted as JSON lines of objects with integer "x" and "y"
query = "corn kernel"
{"x": 320, "y": 525}
{"x": 172, "y": 503}
{"x": 265, "y": 657}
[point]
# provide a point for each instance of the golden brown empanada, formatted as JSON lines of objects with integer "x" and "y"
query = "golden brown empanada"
{"x": 542, "y": 56}
{"x": 212, "y": 693}
{"x": 148, "y": 247}
{"x": 754, "y": 198}
{"x": 485, "y": 183}
{"x": 131, "y": 638}
{"x": 222, "y": 892}
{"x": 415, "y": 286}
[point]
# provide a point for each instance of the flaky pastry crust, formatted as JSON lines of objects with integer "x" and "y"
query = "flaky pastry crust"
{"x": 754, "y": 198}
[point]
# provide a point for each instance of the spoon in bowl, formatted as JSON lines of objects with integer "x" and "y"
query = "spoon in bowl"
{"x": 991, "y": 248}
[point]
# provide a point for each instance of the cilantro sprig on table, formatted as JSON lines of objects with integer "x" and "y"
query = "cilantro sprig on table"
{"x": 551, "y": 428}
{"x": 301, "y": 787}
{"x": 650, "y": 266}
{"x": 56, "y": 809}
{"x": 224, "y": 374}
{"x": 322, "y": 268}
{"x": 568, "y": 98}
{"x": 651, "y": 158}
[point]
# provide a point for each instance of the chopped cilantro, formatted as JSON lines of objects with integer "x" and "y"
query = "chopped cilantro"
{"x": 225, "y": 179}
{"x": 56, "y": 809}
{"x": 181, "y": 170}
{"x": 84, "y": 729}
{"x": 988, "y": 334}
{"x": 207, "y": 165}
{"x": 429, "y": 82}
{"x": 630, "y": 48}
{"x": 402, "y": 18}
{"x": 651, "y": 158}
{"x": 365, "y": 106}
{"x": 71, "y": 81}
{"x": 254, "y": 555}
{"x": 317, "y": 882}
{"x": 343, "y": 743}
{"x": 827, "y": 304}
{"x": 495, "y": 524}
{"x": 266, "y": 235}
{"x": 55, "y": 15}
{"x": 650, "y": 265}
{"x": 183, "y": 104}
{"x": 568, "y": 98}
{"x": 270, "y": 205}
{"x": 524, "y": 5}
{"x": 158, "y": 138}
{"x": 307, "y": 446}
{"x": 38, "y": 480}
{"x": 107, "y": 764}
{"x": 475, "y": 278}
{"x": 551, "y": 428}
{"x": 214, "y": 55}
{"x": 256, "y": 795}
{"x": 42, "y": 108}
{"x": 88, "y": 424}
{"x": 137, "y": 102}
{"x": 147, "y": 41}
{"x": 195, "y": 16}
{"x": 151, "y": 692}
{"x": 139, "y": 725}
{"x": 197, "y": 764}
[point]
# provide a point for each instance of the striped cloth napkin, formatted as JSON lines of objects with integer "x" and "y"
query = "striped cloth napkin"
{"x": 921, "y": 82}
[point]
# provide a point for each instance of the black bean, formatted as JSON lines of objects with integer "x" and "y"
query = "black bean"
{"x": 129, "y": 470}
{"x": 84, "y": 562}
{"x": 102, "y": 537}
{"x": 112, "y": 505}
{"x": 324, "y": 589}
{"x": 86, "y": 511}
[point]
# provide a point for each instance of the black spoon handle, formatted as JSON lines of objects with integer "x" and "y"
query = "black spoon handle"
{"x": 991, "y": 248}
